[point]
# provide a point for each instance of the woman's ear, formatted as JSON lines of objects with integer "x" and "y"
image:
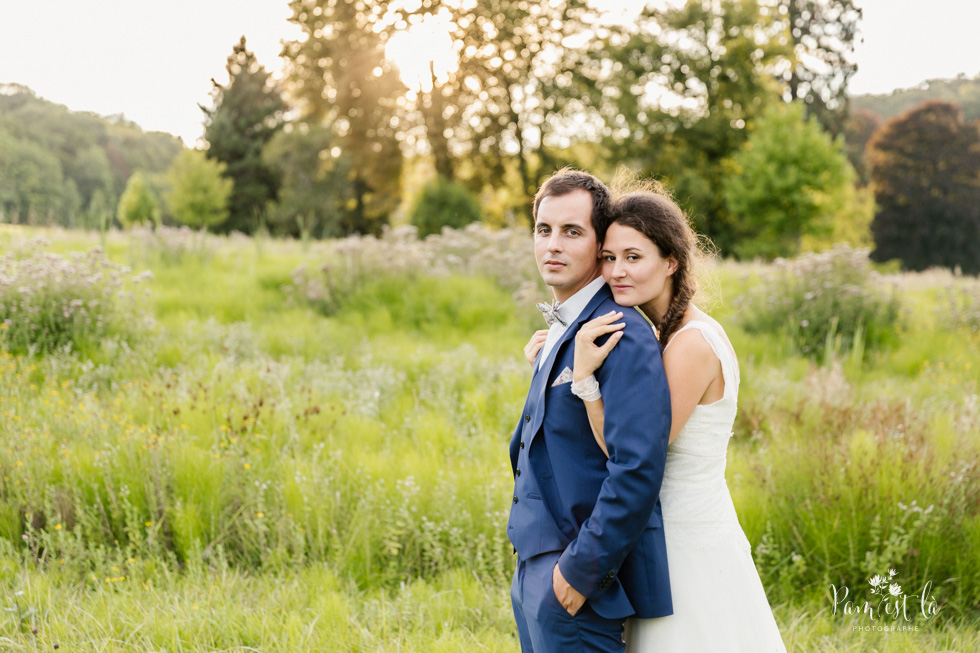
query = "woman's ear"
{"x": 671, "y": 265}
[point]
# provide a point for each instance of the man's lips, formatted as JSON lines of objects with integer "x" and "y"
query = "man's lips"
{"x": 552, "y": 264}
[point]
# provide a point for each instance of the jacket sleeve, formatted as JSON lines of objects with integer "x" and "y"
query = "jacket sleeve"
{"x": 637, "y": 427}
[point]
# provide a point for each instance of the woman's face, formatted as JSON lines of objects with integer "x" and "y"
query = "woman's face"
{"x": 634, "y": 268}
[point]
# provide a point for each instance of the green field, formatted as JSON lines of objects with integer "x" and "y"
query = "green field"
{"x": 250, "y": 454}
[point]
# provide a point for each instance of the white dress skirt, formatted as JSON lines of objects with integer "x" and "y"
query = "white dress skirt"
{"x": 719, "y": 603}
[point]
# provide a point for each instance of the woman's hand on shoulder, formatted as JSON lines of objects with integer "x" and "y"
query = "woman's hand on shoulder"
{"x": 589, "y": 356}
{"x": 534, "y": 345}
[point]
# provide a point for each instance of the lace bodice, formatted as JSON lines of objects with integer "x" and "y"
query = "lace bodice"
{"x": 694, "y": 495}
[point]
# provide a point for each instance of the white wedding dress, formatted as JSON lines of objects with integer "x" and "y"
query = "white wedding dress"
{"x": 720, "y": 605}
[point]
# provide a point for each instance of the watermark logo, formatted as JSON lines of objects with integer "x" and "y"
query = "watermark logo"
{"x": 889, "y": 608}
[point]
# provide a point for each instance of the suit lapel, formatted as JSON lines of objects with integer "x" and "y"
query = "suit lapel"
{"x": 539, "y": 381}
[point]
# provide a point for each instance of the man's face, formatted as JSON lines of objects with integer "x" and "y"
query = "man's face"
{"x": 565, "y": 244}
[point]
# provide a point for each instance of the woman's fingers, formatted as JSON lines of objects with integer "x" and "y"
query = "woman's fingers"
{"x": 597, "y": 331}
{"x": 608, "y": 318}
{"x": 590, "y": 334}
{"x": 610, "y": 343}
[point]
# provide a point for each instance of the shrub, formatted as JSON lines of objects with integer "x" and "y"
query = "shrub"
{"x": 169, "y": 244}
{"x": 502, "y": 255}
{"x": 138, "y": 204}
{"x": 443, "y": 203}
{"x": 48, "y": 302}
{"x": 826, "y": 302}
{"x": 962, "y": 306}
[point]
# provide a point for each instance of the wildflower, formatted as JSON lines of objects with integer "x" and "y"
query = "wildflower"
{"x": 894, "y": 589}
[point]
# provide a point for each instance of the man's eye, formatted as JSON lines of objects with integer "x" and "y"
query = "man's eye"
{"x": 574, "y": 232}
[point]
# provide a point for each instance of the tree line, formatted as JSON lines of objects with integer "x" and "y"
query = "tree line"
{"x": 688, "y": 95}
{"x": 740, "y": 107}
{"x": 69, "y": 168}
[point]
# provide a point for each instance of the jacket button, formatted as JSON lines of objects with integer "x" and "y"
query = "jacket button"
{"x": 515, "y": 498}
{"x": 522, "y": 444}
{"x": 527, "y": 418}
{"x": 518, "y": 472}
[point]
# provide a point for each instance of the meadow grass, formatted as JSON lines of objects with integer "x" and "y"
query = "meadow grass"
{"x": 260, "y": 470}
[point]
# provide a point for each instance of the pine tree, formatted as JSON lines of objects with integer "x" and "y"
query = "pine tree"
{"x": 246, "y": 114}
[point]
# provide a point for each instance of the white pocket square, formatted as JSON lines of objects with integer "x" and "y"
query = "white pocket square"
{"x": 563, "y": 378}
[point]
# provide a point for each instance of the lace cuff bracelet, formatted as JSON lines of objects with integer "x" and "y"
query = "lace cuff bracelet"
{"x": 587, "y": 390}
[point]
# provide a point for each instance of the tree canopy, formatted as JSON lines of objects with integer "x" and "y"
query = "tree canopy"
{"x": 732, "y": 104}
{"x": 788, "y": 181}
{"x": 925, "y": 166}
{"x": 58, "y": 166}
{"x": 199, "y": 191}
{"x": 339, "y": 77}
{"x": 138, "y": 204}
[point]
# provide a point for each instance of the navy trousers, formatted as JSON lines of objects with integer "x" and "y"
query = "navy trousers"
{"x": 544, "y": 624}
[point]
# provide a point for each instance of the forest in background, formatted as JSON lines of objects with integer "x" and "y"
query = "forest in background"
{"x": 740, "y": 108}
{"x": 69, "y": 168}
{"x": 962, "y": 91}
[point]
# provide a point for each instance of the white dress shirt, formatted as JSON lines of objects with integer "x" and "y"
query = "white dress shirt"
{"x": 569, "y": 310}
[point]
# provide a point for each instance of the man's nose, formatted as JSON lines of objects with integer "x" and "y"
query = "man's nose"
{"x": 554, "y": 242}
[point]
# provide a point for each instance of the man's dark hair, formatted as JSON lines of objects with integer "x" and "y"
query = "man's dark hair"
{"x": 565, "y": 181}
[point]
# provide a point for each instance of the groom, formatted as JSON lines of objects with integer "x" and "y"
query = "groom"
{"x": 587, "y": 530}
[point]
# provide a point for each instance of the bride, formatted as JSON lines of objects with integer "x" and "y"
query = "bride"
{"x": 719, "y": 602}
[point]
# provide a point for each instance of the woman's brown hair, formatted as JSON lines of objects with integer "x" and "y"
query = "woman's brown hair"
{"x": 655, "y": 215}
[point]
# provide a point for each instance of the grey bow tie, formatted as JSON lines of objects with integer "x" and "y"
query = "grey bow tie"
{"x": 551, "y": 314}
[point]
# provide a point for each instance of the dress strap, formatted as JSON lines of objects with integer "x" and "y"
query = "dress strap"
{"x": 719, "y": 345}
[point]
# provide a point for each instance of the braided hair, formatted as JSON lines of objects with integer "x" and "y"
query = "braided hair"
{"x": 655, "y": 215}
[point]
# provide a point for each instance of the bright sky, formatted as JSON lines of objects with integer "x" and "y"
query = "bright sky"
{"x": 153, "y": 61}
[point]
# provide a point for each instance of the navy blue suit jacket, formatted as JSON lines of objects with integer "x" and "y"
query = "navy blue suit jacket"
{"x": 602, "y": 514}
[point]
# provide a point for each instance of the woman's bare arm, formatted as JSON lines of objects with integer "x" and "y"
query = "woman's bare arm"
{"x": 693, "y": 375}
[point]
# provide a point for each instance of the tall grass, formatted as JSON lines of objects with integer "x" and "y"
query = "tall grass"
{"x": 316, "y": 477}
{"x": 50, "y": 302}
{"x": 825, "y": 303}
